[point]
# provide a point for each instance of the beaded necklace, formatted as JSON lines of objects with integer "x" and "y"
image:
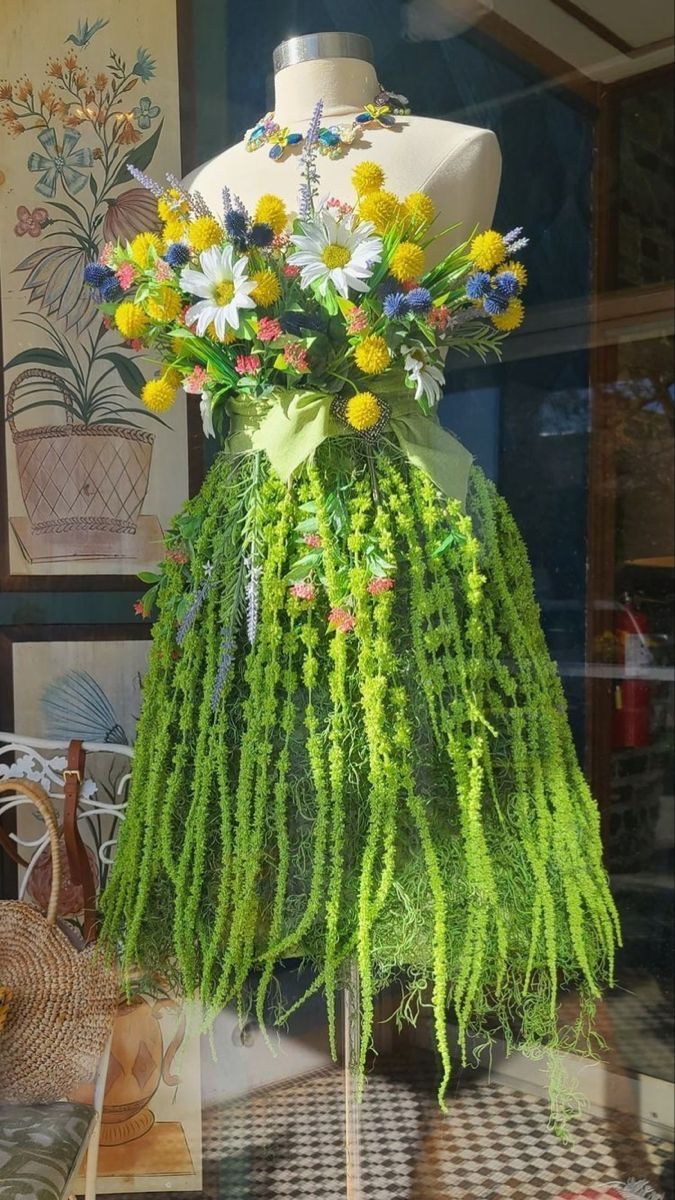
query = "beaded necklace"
{"x": 333, "y": 140}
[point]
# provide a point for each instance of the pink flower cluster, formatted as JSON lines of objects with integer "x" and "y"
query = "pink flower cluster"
{"x": 439, "y": 318}
{"x": 341, "y": 619}
{"x": 382, "y": 584}
{"x": 313, "y": 540}
{"x": 290, "y": 271}
{"x": 125, "y": 275}
{"x": 176, "y": 556}
{"x": 269, "y": 329}
{"x": 304, "y": 590}
{"x": 247, "y": 364}
{"x": 357, "y": 320}
{"x": 195, "y": 382}
{"x": 162, "y": 270}
{"x": 343, "y": 209}
{"x": 296, "y": 356}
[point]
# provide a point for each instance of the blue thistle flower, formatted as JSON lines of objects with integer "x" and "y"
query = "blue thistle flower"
{"x": 419, "y": 299}
{"x": 477, "y": 285}
{"x": 95, "y": 274}
{"x": 177, "y": 254}
{"x": 396, "y": 305}
{"x": 261, "y": 235}
{"x": 237, "y": 226}
{"x": 495, "y": 302}
{"x": 507, "y": 284}
{"x": 110, "y": 289}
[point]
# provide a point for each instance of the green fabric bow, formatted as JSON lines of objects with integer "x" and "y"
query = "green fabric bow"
{"x": 291, "y": 429}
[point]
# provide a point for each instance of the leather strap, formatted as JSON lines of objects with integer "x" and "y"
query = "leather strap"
{"x": 78, "y": 859}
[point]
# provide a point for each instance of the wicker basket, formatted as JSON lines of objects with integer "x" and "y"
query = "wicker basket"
{"x": 92, "y": 478}
{"x": 63, "y": 1001}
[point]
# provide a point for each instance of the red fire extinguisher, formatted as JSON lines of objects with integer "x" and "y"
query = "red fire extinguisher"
{"x": 632, "y": 693}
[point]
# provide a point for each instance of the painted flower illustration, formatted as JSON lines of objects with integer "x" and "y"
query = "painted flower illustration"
{"x": 144, "y": 67}
{"x": 60, "y": 162}
{"x": 145, "y": 112}
{"x": 31, "y": 223}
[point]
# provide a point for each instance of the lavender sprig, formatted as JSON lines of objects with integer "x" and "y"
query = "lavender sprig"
{"x": 192, "y": 612}
{"x": 227, "y": 201}
{"x": 253, "y": 573}
{"x": 145, "y": 180}
{"x": 241, "y": 207}
{"x": 224, "y": 666}
{"x": 310, "y": 184}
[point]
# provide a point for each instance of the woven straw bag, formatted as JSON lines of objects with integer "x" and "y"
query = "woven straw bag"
{"x": 63, "y": 1000}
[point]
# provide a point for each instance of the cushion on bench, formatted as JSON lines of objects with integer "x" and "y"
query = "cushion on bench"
{"x": 41, "y": 1146}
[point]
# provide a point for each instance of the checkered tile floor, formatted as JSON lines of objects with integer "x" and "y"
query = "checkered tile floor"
{"x": 493, "y": 1145}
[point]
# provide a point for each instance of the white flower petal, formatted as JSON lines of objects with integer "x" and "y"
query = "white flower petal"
{"x": 212, "y": 264}
{"x": 195, "y": 282}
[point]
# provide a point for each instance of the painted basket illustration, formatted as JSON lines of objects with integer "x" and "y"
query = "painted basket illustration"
{"x": 91, "y": 478}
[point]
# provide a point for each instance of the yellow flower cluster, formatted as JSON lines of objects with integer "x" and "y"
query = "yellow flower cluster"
{"x": 488, "y": 250}
{"x": 131, "y": 320}
{"x": 165, "y": 305}
{"x": 407, "y": 261}
{"x": 144, "y": 248}
{"x": 363, "y": 410}
{"x": 159, "y": 394}
{"x": 372, "y": 355}
{"x": 267, "y": 287}
{"x": 172, "y": 205}
{"x": 203, "y": 233}
{"x": 384, "y": 209}
{"x": 511, "y": 318}
{"x": 271, "y": 210}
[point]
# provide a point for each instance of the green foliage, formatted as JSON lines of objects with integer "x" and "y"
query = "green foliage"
{"x": 406, "y": 793}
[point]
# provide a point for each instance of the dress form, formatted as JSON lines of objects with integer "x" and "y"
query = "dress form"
{"x": 458, "y": 166}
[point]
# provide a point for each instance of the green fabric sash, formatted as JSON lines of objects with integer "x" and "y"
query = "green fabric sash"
{"x": 291, "y": 429}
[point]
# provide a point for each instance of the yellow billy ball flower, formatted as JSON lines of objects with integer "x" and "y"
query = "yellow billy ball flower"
{"x": 130, "y": 319}
{"x": 512, "y": 318}
{"x": 165, "y": 305}
{"x": 363, "y": 410}
{"x": 488, "y": 250}
{"x": 271, "y": 210}
{"x": 230, "y": 335}
{"x": 419, "y": 209}
{"x": 171, "y": 205}
{"x": 173, "y": 230}
{"x": 382, "y": 208}
{"x": 517, "y": 269}
{"x": 267, "y": 288}
{"x": 204, "y": 232}
{"x": 372, "y": 355}
{"x": 407, "y": 261}
{"x": 159, "y": 394}
{"x": 367, "y": 177}
{"x": 144, "y": 248}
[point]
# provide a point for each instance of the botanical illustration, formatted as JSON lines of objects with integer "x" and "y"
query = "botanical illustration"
{"x": 83, "y": 444}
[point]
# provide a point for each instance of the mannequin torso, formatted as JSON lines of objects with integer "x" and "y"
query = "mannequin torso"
{"x": 457, "y": 165}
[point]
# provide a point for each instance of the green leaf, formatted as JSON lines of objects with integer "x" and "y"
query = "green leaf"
{"x": 140, "y": 157}
{"x": 127, "y": 370}
{"x": 310, "y": 525}
{"x": 38, "y": 354}
{"x": 149, "y": 576}
{"x": 93, "y": 186}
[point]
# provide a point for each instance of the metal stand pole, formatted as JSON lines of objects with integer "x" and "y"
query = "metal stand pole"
{"x": 351, "y": 1011}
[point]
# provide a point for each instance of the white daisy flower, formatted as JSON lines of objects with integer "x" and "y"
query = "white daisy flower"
{"x": 337, "y": 252}
{"x": 427, "y": 377}
{"x": 224, "y": 287}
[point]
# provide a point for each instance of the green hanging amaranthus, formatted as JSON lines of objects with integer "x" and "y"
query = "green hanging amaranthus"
{"x": 354, "y": 746}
